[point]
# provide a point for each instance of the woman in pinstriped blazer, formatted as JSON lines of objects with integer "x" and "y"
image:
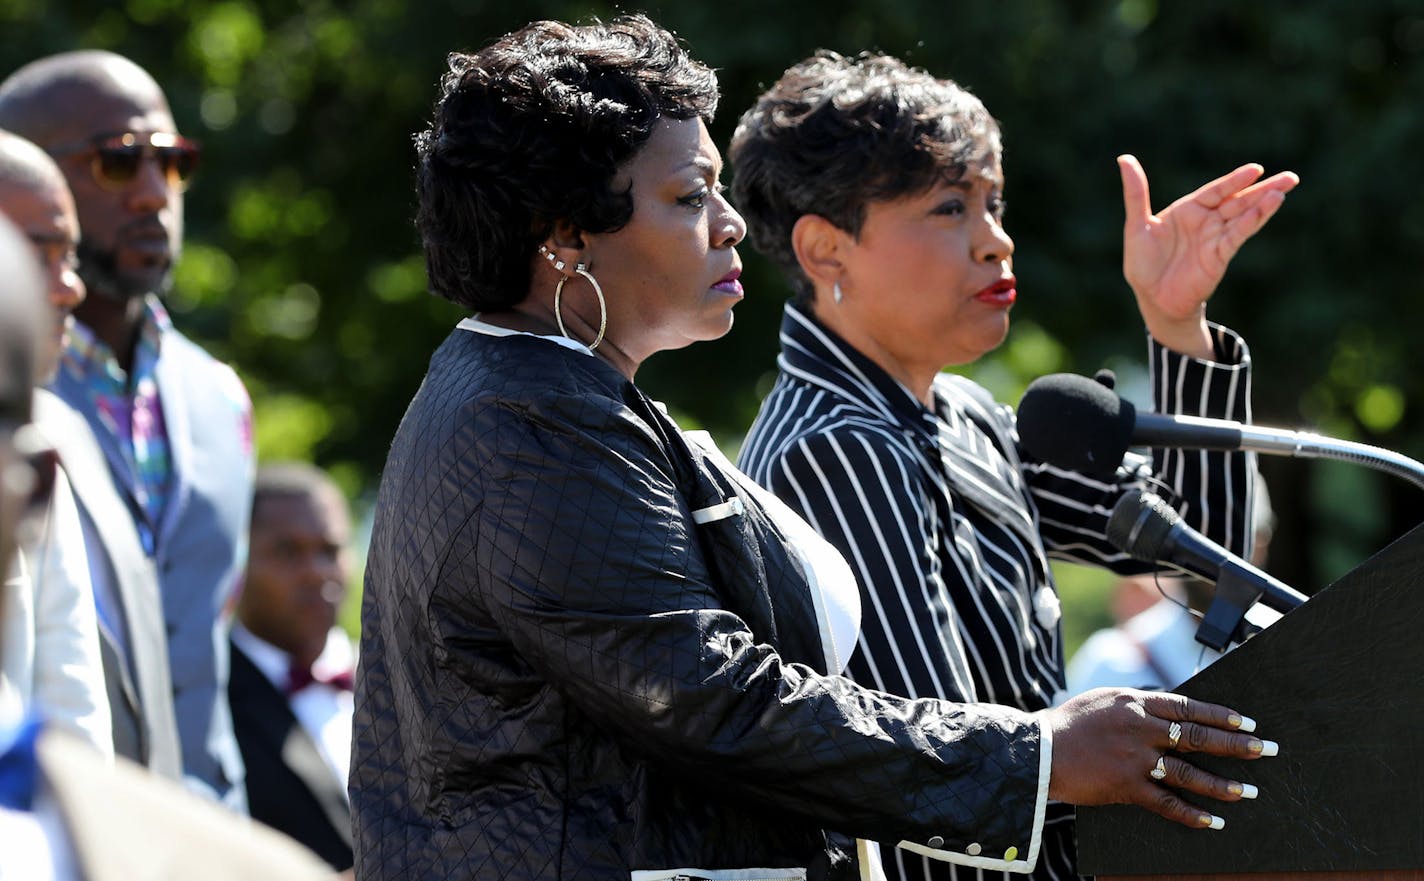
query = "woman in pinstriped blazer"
{"x": 878, "y": 190}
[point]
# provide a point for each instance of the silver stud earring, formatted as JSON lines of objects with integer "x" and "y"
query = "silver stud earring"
{"x": 836, "y": 293}
{"x": 549, "y": 255}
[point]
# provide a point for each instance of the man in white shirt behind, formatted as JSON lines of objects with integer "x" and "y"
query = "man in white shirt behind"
{"x": 67, "y": 812}
{"x": 290, "y": 687}
{"x": 51, "y": 659}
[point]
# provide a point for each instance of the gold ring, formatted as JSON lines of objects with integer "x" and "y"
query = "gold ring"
{"x": 1159, "y": 771}
{"x": 1174, "y": 734}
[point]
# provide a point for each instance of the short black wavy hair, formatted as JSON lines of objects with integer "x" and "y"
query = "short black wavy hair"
{"x": 531, "y": 130}
{"x": 836, "y": 133}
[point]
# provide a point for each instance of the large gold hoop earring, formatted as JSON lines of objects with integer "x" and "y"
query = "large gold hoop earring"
{"x": 582, "y": 270}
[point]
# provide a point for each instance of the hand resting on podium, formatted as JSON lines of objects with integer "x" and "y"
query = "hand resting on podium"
{"x": 1124, "y": 746}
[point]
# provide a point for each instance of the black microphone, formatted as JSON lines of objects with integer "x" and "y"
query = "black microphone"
{"x": 1145, "y": 527}
{"x": 1073, "y": 422}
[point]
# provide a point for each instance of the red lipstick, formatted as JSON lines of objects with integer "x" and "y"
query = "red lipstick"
{"x": 1001, "y": 293}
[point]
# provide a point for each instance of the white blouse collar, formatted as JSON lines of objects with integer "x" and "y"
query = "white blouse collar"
{"x": 475, "y": 325}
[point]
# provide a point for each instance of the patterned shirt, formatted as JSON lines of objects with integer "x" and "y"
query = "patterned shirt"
{"x": 949, "y": 526}
{"x": 130, "y": 411}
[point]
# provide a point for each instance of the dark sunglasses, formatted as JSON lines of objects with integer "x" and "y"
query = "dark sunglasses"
{"x": 114, "y": 160}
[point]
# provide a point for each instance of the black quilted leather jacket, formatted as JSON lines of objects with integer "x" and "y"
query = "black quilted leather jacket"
{"x": 562, "y": 679}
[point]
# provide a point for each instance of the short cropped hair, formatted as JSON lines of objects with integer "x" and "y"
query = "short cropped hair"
{"x": 532, "y": 130}
{"x": 291, "y": 480}
{"x": 835, "y": 134}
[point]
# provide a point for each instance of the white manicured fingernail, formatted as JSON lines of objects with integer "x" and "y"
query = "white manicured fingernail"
{"x": 1216, "y": 823}
{"x": 1244, "y": 723}
{"x": 1269, "y": 748}
{"x": 1241, "y": 790}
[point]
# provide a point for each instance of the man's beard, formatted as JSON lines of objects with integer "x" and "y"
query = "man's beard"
{"x": 100, "y": 273}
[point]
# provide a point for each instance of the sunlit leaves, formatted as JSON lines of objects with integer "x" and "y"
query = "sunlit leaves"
{"x": 1136, "y": 14}
{"x": 278, "y": 208}
{"x": 204, "y": 276}
{"x": 289, "y": 426}
{"x": 226, "y": 37}
{"x": 19, "y": 10}
{"x": 398, "y": 282}
{"x": 1360, "y": 384}
{"x": 1028, "y": 353}
{"x": 1379, "y": 407}
{"x": 219, "y": 108}
{"x": 290, "y": 315}
{"x": 335, "y": 39}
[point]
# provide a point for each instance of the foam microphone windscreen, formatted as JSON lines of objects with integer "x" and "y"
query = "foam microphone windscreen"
{"x": 1073, "y": 422}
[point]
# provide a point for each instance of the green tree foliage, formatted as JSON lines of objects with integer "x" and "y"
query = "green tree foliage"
{"x": 302, "y": 267}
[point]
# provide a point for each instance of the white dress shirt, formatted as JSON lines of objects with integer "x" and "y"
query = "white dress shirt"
{"x": 50, "y": 660}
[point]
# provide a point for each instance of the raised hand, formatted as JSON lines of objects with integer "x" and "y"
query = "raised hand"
{"x": 1175, "y": 259}
{"x": 1108, "y": 742}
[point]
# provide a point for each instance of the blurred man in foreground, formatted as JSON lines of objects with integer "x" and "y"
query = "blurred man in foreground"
{"x": 65, "y": 812}
{"x": 51, "y": 658}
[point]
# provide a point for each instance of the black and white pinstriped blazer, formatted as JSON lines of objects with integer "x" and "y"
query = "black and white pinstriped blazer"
{"x": 949, "y": 526}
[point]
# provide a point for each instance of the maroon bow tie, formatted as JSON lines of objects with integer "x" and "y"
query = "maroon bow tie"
{"x": 301, "y": 677}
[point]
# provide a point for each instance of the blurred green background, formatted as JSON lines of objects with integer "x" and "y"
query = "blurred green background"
{"x": 303, "y": 270}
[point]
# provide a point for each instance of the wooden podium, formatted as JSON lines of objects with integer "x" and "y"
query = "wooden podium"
{"x": 1339, "y": 684}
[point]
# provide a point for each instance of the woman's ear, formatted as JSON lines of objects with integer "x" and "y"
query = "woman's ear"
{"x": 817, "y": 243}
{"x": 565, "y": 244}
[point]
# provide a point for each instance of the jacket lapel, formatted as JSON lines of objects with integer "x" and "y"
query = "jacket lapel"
{"x": 754, "y": 577}
{"x": 978, "y": 462}
{"x": 134, "y": 580}
{"x": 269, "y": 718}
{"x": 299, "y": 752}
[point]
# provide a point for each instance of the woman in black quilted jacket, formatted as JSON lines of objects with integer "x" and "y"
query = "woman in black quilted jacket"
{"x": 591, "y": 649}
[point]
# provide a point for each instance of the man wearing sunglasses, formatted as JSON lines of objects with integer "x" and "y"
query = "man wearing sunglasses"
{"x": 173, "y": 423}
